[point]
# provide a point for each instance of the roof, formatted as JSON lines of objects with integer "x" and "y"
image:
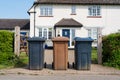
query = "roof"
{"x": 9, "y": 24}
{"x": 68, "y": 23}
{"x": 103, "y": 2}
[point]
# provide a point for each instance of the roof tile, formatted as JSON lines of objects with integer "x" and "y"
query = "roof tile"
{"x": 107, "y": 2}
{"x": 9, "y": 24}
{"x": 68, "y": 23}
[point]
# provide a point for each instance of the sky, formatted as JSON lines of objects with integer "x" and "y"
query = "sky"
{"x": 15, "y": 9}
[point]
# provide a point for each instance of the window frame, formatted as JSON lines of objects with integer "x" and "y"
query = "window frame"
{"x": 92, "y": 33}
{"x": 46, "y": 10}
{"x": 44, "y": 32}
{"x": 94, "y": 11}
{"x": 73, "y": 10}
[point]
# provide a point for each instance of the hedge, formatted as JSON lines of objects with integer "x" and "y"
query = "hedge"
{"x": 111, "y": 50}
{"x": 6, "y": 41}
{"x": 7, "y": 56}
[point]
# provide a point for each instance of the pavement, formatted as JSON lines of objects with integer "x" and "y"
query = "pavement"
{"x": 94, "y": 70}
{"x": 59, "y": 77}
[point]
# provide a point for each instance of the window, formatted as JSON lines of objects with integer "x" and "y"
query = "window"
{"x": 92, "y": 33}
{"x": 94, "y": 10}
{"x": 89, "y": 32}
{"x": 50, "y": 33}
{"x": 40, "y": 32}
{"x": 45, "y": 32}
{"x": 46, "y": 11}
{"x": 73, "y": 9}
{"x": 73, "y": 36}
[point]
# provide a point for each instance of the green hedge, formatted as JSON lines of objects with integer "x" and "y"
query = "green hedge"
{"x": 111, "y": 50}
{"x": 7, "y": 56}
{"x": 6, "y": 41}
{"x": 8, "y": 59}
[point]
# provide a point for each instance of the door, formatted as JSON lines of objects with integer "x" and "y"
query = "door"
{"x": 66, "y": 33}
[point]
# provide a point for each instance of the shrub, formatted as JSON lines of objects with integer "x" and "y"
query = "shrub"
{"x": 6, "y": 41}
{"x": 10, "y": 60}
{"x": 7, "y": 57}
{"x": 111, "y": 50}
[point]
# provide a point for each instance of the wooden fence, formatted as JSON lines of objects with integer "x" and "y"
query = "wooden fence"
{"x": 20, "y": 42}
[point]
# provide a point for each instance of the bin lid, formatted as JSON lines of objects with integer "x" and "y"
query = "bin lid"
{"x": 36, "y": 39}
{"x": 60, "y": 39}
{"x": 83, "y": 39}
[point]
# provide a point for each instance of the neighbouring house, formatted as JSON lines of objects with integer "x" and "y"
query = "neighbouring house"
{"x": 24, "y": 24}
{"x": 73, "y": 18}
{"x": 10, "y": 24}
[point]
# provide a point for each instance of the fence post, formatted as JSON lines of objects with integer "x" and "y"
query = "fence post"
{"x": 99, "y": 45}
{"x": 17, "y": 41}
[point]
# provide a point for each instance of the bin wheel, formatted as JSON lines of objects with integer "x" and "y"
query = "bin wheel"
{"x": 52, "y": 65}
{"x": 73, "y": 64}
{"x": 45, "y": 65}
{"x": 68, "y": 65}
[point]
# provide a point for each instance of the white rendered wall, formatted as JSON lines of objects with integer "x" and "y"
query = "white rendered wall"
{"x": 109, "y": 21}
{"x": 32, "y": 25}
{"x": 112, "y": 19}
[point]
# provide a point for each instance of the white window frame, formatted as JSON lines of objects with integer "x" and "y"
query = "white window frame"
{"x": 73, "y": 9}
{"x": 47, "y": 33}
{"x": 72, "y": 33}
{"x": 92, "y": 33}
{"x": 46, "y": 10}
{"x": 94, "y": 10}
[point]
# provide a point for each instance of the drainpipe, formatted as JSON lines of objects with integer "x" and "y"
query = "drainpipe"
{"x": 34, "y": 17}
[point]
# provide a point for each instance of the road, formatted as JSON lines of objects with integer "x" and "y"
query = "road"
{"x": 59, "y": 77}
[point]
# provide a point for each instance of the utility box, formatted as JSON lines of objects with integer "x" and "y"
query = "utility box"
{"x": 83, "y": 53}
{"x": 36, "y": 53}
{"x": 60, "y": 53}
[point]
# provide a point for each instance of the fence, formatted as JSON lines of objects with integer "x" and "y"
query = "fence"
{"x": 20, "y": 42}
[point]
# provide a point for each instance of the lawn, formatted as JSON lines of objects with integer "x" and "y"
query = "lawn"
{"x": 22, "y": 61}
{"x": 94, "y": 55}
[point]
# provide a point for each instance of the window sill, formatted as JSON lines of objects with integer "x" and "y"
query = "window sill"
{"x": 45, "y": 16}
{"x": 72, "y": 14}
{"x": 94, "y": 16}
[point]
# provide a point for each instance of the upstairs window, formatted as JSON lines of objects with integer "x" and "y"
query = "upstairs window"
{"x": 94, "y": 10}
{"x": 46, "y": 11}
{"x": 73, "y": 10}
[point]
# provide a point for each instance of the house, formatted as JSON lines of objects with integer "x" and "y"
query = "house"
{"x": 9, "y": 24}
{"x": 73, "y": 18}
{"x": 24, "y": 24}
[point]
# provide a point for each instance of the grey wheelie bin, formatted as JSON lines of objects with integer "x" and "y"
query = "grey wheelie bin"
{"x": 36, "y": 53}
{"x": 83, "y": 53}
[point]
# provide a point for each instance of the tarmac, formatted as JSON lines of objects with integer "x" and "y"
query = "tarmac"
{"x": 94, "y": 70}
